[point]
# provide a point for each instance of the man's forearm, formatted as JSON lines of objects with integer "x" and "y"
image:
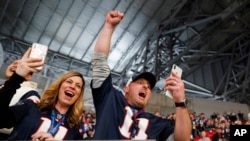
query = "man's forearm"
{"x": 182, "y": 129}
{"x": 104, "y": 39}
{"x": 100, "y": 69}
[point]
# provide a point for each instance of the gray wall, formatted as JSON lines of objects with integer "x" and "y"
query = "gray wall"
{"x": 163, "y": 104}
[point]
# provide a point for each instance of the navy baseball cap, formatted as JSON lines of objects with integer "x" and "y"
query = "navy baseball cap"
{"x": 145, "y": 75}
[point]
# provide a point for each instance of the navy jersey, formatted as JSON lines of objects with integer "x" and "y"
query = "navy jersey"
{"x": 32, "y": 120}
{"x": 116, "y": 120}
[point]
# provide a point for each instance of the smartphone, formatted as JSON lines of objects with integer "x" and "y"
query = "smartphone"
{"x": 38, "y": 51}
{"x": 178, "y": 71}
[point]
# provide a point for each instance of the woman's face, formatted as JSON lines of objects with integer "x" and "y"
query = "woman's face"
{"x": 70, "y": 90}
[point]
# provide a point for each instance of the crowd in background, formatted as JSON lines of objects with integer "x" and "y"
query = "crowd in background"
{"x": 87, "y": 126}
{"x": 216, "y": 126}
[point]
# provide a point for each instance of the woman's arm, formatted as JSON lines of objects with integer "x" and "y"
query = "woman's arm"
{"x": 6, "y": 93}
{"x": 25, "y": 68}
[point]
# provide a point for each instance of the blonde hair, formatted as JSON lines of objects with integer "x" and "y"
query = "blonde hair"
{"x": 50, "y": 97}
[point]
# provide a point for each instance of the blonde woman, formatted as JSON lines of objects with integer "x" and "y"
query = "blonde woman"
{"x": 57, "y": 115}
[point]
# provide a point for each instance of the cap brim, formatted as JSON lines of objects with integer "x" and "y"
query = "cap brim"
{"x": 148, "y": 76}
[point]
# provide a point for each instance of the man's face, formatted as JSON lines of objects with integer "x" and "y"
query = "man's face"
{"x": 138, "y": 93}
{"x": 11, "y": 69}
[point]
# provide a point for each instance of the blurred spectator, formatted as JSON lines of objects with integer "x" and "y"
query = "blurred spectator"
{"x": 158, "y": 114}
{"x": 209, "y": 124}
{"x": 232, "y": 116}
{"x": 90, "y": 134}
{"x": 171, "y": 119}
{"x": 247, "y": 122}
{"x": 200, "y": 121}
{"x": 240, "y": 115}
{"x": 217, "y": 135}
{"x": 194, "y": 132}
{"x": 87, "y": 125}
{"x": 82, "y": 129}
{"x": 203, "y": 136}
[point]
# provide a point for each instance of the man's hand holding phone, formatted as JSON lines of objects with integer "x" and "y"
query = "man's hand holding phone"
{"x": 178, "y": 71}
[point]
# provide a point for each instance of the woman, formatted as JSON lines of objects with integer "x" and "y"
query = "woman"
{"x": 56, "y": 117}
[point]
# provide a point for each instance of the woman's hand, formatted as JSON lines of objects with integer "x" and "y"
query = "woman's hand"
{"x": 27, "y": 66}
{"x": 42, "y": 136}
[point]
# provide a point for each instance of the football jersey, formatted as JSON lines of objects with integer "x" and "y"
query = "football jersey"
{"x": 115, "y": 118}
{"x": 32, "y": 120}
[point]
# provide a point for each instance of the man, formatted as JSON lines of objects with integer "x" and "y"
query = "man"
{"x": 27, "y": 90}
{"x": 123, "y": 117}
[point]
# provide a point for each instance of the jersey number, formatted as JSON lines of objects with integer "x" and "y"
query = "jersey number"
{"x": 45, "y": 125}
{"x": 128, "y": 123}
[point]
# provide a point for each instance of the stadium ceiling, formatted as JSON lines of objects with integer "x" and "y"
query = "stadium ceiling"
{"x": 208, "y": 39}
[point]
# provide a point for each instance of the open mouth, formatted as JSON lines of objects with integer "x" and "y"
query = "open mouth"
{"x": 69, "y": 94}
{"x": 143, "y": 95}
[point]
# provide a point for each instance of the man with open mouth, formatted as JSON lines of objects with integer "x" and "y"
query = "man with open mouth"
{"x": 121, "y": 116}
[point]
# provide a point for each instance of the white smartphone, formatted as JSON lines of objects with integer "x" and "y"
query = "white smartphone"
{"x": 38, "y": 51}
{"x": 178, "y": 71}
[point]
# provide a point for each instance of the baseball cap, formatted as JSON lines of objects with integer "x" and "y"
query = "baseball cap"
{"x": 145, "y": 75}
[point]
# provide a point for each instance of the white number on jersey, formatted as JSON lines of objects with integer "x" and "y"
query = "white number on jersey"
{"x": 128, "y": 123}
